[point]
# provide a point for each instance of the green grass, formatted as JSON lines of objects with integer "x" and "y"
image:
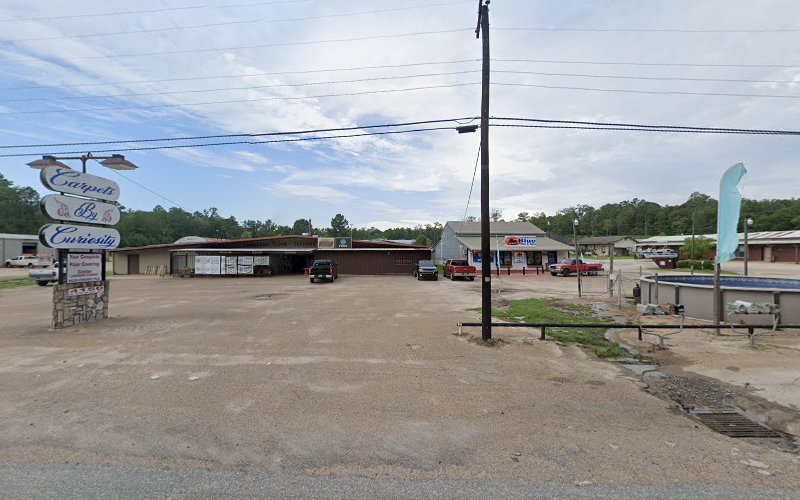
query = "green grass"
{"x": 15, "y": 282}
{"x": 558, "y": 311}
{"x": 440, "y": 269}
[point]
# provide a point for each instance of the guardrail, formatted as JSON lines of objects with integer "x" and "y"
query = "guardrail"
{"x": 544, "y": 326}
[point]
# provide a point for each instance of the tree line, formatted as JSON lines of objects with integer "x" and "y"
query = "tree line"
{"x": 20, "y": 214}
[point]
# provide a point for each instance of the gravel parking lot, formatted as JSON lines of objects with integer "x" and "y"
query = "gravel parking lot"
{"x": 362, "y": 377}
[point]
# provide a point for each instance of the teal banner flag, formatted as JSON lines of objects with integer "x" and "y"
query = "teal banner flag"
{"x": 730, "y": 203}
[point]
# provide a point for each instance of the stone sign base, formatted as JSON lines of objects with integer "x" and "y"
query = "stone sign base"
{"x": 78, "y": 303}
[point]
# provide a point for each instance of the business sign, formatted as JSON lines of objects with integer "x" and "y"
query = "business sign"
{"x": 326, "y": 243}
{"x": 67, "y": 208}
{"x": 79, "y": 237}
{"x": 86, "y": 290}
{"x": 344, "y": 242}
{"x": 476, "y": 257}
{"x": 83, "y": 267}
{"x": 523, "y": 241}
{"x": 66, "y": 180}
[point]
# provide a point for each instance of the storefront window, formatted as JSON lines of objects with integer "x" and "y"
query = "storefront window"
{"x": 534, "y": 258}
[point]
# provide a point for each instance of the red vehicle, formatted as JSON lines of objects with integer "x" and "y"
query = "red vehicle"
{"x": 458, "y": 268}
{"x": 571, "y": 266}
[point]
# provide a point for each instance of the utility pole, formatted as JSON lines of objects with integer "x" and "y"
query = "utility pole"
{"x": 486, "y": 265}
{"x": 691, "y": 257}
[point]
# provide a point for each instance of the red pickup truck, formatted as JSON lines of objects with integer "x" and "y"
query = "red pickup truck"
{"x": 458, "y": 268}
{"x": 570, "y": 266}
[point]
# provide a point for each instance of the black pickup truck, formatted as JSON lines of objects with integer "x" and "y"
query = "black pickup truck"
{"x": 323, "y": 270}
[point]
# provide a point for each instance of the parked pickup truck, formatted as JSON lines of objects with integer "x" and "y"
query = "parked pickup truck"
{"x": 29, "y": 261}
{"x": 45, "y": 276}
{"x": 571, "y": 266}
{"x": 458, "y": 268}
{"x": 425, "y": 269}
{"x": 323, "y": 270}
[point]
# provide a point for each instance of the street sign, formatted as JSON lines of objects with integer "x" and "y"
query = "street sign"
{"x": 66, "y": 180}
{"x": 84, "y": 267}
{"x": 69, "y": 209}
{"x": 68, "y": 236}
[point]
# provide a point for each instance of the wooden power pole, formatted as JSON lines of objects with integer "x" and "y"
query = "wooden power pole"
{"x": 486, "y": 268}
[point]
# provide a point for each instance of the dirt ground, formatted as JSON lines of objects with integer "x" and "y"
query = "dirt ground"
{"x": 360, "y": 377}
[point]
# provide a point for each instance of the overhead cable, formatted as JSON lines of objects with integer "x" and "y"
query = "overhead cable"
{"x": 651, "y": 92}
{"x": 231, "y": 23}
{"x": 640, "y": 63}
{"x": 228, "y": 143}
{"x": 231, "y": 101}
{"x": 249, "y": 87}
{"x": 256, "y": 46}
{"x": 460, "y": 121}
{"x": 245, "y": 75}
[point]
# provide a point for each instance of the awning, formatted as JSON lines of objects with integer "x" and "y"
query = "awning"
{"x": 259, "y": 250}
{"x": 543, "y": 244}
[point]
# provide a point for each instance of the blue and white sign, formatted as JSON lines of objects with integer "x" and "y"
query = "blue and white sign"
{"x": 69, "y": 209}
{"x": 68, "y": 236}
{"x": 66, "y": 180}
{"x": 520, "y": 241}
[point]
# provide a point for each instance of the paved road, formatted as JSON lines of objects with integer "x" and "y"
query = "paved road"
{"x": 65, "y": 481}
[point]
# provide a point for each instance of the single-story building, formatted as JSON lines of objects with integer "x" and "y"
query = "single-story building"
{"x": 601, "y": 245}
{"x": 12, "y": 245}
{"x": 267, "y": 255}
{"x": 516, "y": 245}
{"x": 769, "y": 246}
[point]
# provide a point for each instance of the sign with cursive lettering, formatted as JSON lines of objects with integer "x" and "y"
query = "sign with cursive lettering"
{"x": 66, "y": 180}
{"x": 67, "y": 208}
{"x": 79, "y": 237}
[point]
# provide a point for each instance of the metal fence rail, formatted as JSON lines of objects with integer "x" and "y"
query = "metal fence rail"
{"x": 544, "y": 326}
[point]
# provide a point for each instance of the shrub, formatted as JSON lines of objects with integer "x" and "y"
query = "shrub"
{"x": 708, "y": 264}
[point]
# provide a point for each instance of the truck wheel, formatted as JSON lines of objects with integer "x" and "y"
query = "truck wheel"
{"x": 565, "y": 272}
{"x": 472, "y": 278}
{"x": 419, "y": 277}
{"x": 311, "y": 280}
{"x": 42, "y": 283}
{"x": 554, "y": 274}
{"x": 8, "y": 265}
{"x": 30, "y": 266}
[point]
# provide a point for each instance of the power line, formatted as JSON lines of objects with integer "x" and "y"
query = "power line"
{"x": 647, "y": 125}
{"x": 257, "y": 46}
{"x": 650, "y": 92}
{"x": 250, "y": 87}
{"x": 148, "y": 11}
{"x": 655, "y": 78}
{"x": 460, "y": 121}
{"x": 148, "y": 189}
{"x": 657, "y": 30}
{"x": 231, "y": 23}
{"x": 271, "y": 141}
{"x": 294, "y": 98}
{"x": 472, "y": 184}
{"x": 265, "y": 73}
{"x": 637, "y": 63}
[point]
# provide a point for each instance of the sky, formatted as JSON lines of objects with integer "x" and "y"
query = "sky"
{"x": 91, "y": 71}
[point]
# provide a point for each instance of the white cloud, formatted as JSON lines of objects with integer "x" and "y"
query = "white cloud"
{"x": 425, "y": 177}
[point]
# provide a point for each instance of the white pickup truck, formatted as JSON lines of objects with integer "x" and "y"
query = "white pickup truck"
{"x": 45, "y": 276}
{"x": 29, "y": 261}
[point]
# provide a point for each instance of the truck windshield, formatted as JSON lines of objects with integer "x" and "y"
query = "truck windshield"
{"x": 460, "y": 263}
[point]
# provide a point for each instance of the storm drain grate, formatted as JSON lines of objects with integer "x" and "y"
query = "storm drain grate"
{"x": 735, "y": 425}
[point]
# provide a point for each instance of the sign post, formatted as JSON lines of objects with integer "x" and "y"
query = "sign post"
{"x": 83, "y": 213}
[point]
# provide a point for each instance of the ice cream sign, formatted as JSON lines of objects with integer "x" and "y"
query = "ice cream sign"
{"x": 520, "y": 241}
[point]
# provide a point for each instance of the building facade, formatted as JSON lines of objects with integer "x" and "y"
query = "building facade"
{"x": 602, "y": 245}
{"x": 12, "y": 245}
{"x": 267, "y": 256}
{"x": 768, "y": 246}
{"x": 514, "y": 245}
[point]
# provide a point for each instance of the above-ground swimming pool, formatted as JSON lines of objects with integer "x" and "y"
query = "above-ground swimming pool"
{"x": 696, "y": 293}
